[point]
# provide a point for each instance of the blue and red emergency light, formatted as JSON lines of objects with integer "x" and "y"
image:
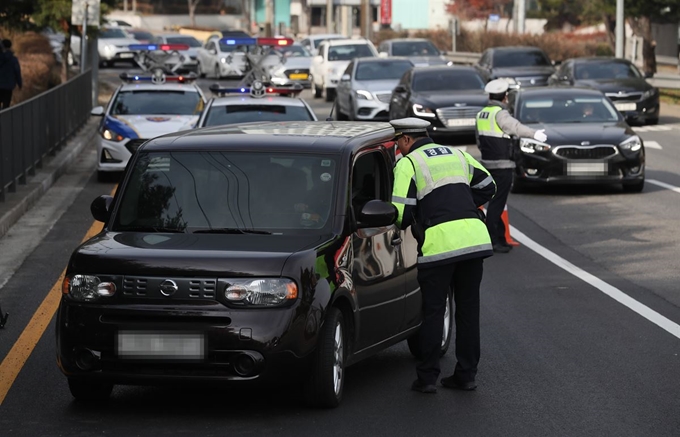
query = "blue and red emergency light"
{"x": 257, "y": 41}
{"x": 256, "y": 91}
{"x": 134, "y": 77}
{"x": 155, "y": 47}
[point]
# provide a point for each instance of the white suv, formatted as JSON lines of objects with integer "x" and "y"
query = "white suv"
{"x": 332, "y": 60}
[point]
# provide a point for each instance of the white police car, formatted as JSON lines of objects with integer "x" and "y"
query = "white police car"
{"x": 144, "y": 107}
{"x": 255, "y": 103}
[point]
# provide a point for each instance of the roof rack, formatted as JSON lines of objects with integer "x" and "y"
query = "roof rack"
{"x": 256, "y": 90}
{"x": 157, "y": 77}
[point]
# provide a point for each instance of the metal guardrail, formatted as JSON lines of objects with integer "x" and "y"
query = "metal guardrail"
{"x": 38, "y": 127}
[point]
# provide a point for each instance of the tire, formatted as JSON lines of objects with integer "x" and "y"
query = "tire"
{"x": 351, "y": 116}
{"x": 414, "y": 340}
{"x": 330, "y": 94}
{"x": 517, "y": 185}
{"x": 317, "y": 91}
{"x": 652, "y": 121}
{"x": 327, "y": 380}
{"x": 216, "y": 72}
{"x": 199, "y": 70}
{"x": 84, "y": 390}
{"x": 634, "y": 188}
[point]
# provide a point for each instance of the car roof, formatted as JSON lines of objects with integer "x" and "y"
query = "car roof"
{"x": 325, "y": 35}
{"x": 160, "y": 87}
{"x": 596, "y": 59}
{"x": 559, "y": 91}
{"x": 293, "y": 136}
{"x": 347, "y": 41}
{"x": 377, "y": 59}
{"x": 248, "y": 100}
{"x": 407, "y": 40}
{"x": 516, "y": 49}
{"x": 444, "y": 68}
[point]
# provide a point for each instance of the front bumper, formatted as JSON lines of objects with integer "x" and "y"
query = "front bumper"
{"x": 117, "y": 54}
{"x": 641, "y": 111}
{"x": 371, "y": 110}
{"x": 114, "y": 156}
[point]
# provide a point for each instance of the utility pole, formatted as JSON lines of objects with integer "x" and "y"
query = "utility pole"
{"x": 366, "y": 19}
{"x": 620, "y": 26}
{"x": 269, "y": 19}
{"x": 83, "y": 41}
{"x": 521, "y": 15}
{"x": 330, "y": 28}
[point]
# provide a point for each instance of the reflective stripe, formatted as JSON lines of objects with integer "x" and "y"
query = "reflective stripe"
{"x": 492, "y": 134}
{"x": 430, "y": 185}
{"x": 404, "y": 200}
{"x": 440, "y": 183}
{"x": 498, "y": 164}
{"x": 424, "y": 169}
{"x": 484, "y": 183}
{"x": 454, "y": 253}
{"x": 464, "y": 164}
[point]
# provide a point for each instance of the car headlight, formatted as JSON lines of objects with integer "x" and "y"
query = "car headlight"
{"x": 279, "y": 72}
{"x": 364, "y": 95}
{"x": 450, "y": 63}
{"x": 650, "y": 93}
{"x": 223, "y": 60}
{"x": 111, "y": 135}
{"x": 422, "y": 111}
{"x": 86, "y": 288}
{"x": 110, "y": 47}
{"x": 528, "y": 145}
{"x": 262, "y": 292}
{"x": 632, "y": 144}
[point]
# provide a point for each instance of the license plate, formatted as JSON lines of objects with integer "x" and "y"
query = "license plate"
{"x": 586, "y": 168}
{"x": 625, "y": 106}
{"x": 126, "y": 55}
{"x": 461, "y": 122}
{"x": 160, "y": 345}
{"x": 299, "y": 76}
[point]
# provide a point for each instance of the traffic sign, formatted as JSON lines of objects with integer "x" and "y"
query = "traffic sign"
{"x": 78, "y": 12}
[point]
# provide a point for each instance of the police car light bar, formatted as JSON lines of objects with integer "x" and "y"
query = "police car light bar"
{"x": 154, "y": 47}
{"x": 274, "y": 41}
{"x": 133, "y": 77}
{"x": 257, "y": 41}
{"x": 295, "y": 89}
{"x": 239, "y": 41}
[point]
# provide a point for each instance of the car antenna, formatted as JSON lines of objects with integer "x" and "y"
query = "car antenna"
{"x": 330, "y": 116}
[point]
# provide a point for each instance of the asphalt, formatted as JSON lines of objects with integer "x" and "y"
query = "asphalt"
{"x": 26, "y": 196}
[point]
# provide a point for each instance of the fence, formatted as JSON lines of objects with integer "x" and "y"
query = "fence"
{"x": 39, "y": 127}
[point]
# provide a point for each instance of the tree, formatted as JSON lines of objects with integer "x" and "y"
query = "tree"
{"x": 15, "y": 15}
{"x": 641, "y": 14}
{"x": 192, "y": 11}
{"x": 478, "y": 8}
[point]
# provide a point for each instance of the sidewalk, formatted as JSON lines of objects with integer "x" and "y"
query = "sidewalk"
{"x": 16, "y": 204}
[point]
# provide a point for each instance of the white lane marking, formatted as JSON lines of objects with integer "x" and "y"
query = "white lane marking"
{"x": 653, "y": 145}
{"x": 664, "y": 185}
{"x": 596, "y": 282}
{"x": 652, "y": 128}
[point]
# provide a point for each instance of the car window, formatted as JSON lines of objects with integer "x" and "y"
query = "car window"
{"x": 383, "y": 70}
{"x": 606, "y": 70}
{"x": 167, "y": 102}
{"x": 194, "y": 191}
{"x": 112, "y": 33}
{"x": 228, "y": 114}
{"x": 567, "y": 110}
{"x": 349, "y": 52}
{"x": 188, "y": 40}
{"x": 349, "y": 69}
{"x": 447, "y": 80}
{"x": 141, "y": 35}
{"x": 369, "y": 180}
{"x": 414, "y": 48}
{"x": 515, "y": 58}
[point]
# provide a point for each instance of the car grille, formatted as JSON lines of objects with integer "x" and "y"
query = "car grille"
{"x": 585, "y": 152}
{"x": 187, "y": 287}
{"x": 384, "y": 97}
{"x": 133, "y": 145}
{"x": 532, "y": 81}
{"x": 296, "y": 71}
{"x": 453, "y": 113}
{"x": 614, "y": 97}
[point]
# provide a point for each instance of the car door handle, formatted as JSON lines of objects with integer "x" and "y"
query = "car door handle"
{"x": 396, "y": 240}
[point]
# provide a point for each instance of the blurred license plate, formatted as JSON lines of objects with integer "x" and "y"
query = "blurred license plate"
{"x": 625, "y": 106}
{"x": 156, "y": 345}
{"x": 299, "y": 76}
{"x": 586, "y": 168}
{"x": 461, "y": 122}
{"x": 127, "y": 55}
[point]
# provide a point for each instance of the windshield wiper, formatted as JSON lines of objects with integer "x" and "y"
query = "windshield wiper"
{"x": 231, "y": 231}
{"x": 159, "y": 229}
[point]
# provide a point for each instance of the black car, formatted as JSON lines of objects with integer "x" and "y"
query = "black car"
{"x": 256, "y": 252}
{"x": 619, "y": 80}
{"x": 447, "y": 97}
{"x": 520, "y": 66}
{"x": 589, "y": 142}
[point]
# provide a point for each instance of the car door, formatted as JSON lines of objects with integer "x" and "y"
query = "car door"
{"x": 344, "y": 90}
{"x": 401, "y": 96}
{"x": 376, "y": 268}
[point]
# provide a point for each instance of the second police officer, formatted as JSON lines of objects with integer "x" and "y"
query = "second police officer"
{"x": 437, "y": 191}
{"x": 495, "y": 125}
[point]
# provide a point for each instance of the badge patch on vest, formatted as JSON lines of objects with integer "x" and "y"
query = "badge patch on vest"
{"x": 437, "y": 151}
{"x": 483, "y": 115}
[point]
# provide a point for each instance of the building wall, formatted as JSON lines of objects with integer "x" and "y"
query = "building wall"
{"x": 281, "y": 12}
{"x": 411, "y": 14}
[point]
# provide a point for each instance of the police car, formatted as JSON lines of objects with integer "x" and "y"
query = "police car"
{"x": 255, "y": 103}
{"x": 143, "y": 107}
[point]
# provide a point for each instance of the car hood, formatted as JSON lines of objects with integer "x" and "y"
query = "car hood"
{"x": 440, "y": 99}
{"x": 150, "y": 126}
{"x": 116, "y": 42}
{"x": 153, "y": 254}
{"x": 523, "y": 71}
{"x": 577, "y": 133}
{"x": 376, "y": 86}
{"x": 424, "y": 61}
{"x": 616, "y": 85}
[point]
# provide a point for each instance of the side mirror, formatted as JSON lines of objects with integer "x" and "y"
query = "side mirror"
{"x": 648, "y": 74}
{"x": 100, "y": 208}
{"x": 97, "y": 111}
{"x": 400, "y": 89}
{"x": 345, "y": 78}
{"x": 376, "y": 214}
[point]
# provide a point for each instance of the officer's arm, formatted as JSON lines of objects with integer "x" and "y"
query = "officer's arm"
{"x": 404, "y": 192}
{"x": 511, "y": 126}
{"x": 482, "y": 184}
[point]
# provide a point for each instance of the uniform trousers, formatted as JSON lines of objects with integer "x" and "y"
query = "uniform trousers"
{"x": 5, "y": 98}
{"x": 464, "y": 278}
{"x": 494, "y": 222}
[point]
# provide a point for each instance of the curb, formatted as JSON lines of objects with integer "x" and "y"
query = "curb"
{"x": 18, "y": 203}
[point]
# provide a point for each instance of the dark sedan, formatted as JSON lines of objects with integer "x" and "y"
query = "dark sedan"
{"x": 447, "y": 97}
{"x": 520, "y": 66}
{"x": 589, "y": 142}
{"x": 619, "y": 79}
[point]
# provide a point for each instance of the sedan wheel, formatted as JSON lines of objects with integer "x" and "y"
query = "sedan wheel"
{"x": 217, "y": 72}
{"x": 324, "y": 386}
{"x": 414, "y": 340}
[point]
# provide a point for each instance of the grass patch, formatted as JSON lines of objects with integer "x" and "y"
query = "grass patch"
{"x": 669, "y": 95}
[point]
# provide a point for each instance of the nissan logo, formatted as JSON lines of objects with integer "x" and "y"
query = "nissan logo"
{"x": 168, "y": 287}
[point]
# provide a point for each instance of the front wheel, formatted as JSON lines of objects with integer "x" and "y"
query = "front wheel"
{"x": 517, "y": 185}
{"x": 83, "y": 390}
{"x": 414, "y": 340}
{"x": 324, "y": 386}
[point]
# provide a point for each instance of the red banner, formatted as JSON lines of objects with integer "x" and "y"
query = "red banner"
{"x": 386, "y": 12}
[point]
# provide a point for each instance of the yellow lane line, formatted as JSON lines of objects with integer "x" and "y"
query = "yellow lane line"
{"x": 22, "y": 349}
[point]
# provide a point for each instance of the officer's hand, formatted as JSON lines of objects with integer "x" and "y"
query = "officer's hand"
{"x": 541, "y": 136}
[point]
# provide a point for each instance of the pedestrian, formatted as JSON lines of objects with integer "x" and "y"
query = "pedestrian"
{"x": 437, "y": 191}
{"x": 10, "y": 74}
{"x": 495, "y": 126}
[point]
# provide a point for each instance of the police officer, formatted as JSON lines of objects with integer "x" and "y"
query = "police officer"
{"x": 495, "y": 125}
{"x": 437, "y": 191}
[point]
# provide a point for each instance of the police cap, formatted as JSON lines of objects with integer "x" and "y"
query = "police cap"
{"x": 409, "y": 125}
{"x": 497, "y": 86}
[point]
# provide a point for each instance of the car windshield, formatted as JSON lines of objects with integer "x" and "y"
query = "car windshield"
{"x": 606, "y": 70}
{"x": 202, "y": 191}
{"x": 382, "y": 70}
{"x": 228, "y": 48}
{"x": 228, "y": 114}
{"x": 516, "y": 58}
{"x": 349, "y": 52}
{"x": 188, "y": 40}
{"x": 414, "y": 48}
{"x": 447, "y": 80}
{"x": 112, "y": 33}
{"x": 141, "y": 35}
{"x": 292, "y": 51}
{"x": 138, "y": 102}
{"x": 541, "y": 109}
